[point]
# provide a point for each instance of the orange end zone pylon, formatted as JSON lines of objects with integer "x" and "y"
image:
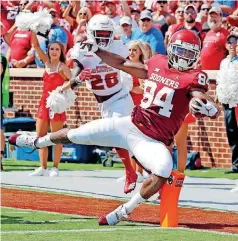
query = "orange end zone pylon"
{"x": 169, "y": 199}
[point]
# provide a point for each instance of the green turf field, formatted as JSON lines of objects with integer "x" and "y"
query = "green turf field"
{"x": 13, "y": 165}
{"x": 19, "y": 225}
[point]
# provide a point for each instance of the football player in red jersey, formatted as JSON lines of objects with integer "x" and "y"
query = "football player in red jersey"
{"x": 171, "y": 84}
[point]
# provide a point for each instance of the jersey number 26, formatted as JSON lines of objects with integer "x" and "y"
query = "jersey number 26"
{"x": 110, "y": 80}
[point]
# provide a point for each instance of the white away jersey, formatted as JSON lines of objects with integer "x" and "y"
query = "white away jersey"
{"x": 106, "y": 79}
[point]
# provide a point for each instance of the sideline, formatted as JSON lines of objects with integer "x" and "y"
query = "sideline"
{"x": 112, "y": 230}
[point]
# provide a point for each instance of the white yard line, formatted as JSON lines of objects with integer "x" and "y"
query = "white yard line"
{"x": 111, "y": 230}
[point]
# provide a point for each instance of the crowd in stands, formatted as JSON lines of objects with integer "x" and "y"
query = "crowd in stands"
{"x": 152, "y": 21}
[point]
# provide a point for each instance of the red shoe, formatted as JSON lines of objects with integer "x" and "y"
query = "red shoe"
{"x": 130, "y": 183}
{"x": 102, "y": 220}
{"x": 13, "y": 139}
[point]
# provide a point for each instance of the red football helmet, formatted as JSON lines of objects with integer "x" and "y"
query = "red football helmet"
{"x": 183, "y": 49}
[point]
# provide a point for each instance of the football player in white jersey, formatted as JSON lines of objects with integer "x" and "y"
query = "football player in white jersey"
{"x": 105, "y": 81}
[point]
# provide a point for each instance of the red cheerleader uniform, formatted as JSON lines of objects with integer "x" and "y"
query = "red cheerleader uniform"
{"x": 136, "y": 97}
{"x": 51, "y": 81}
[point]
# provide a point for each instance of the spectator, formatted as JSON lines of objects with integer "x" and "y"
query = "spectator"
{"x": 140, "y": 5}
{"x": 190, "y": 14}
{"x": 182, "y": 3}
{"x": 203, "y": 14}
{"x": 56, "y": 33}
{"x": 83, "y": 16}
{"x": 126, "y": 26}
{"x": 159, "y": 16}
{"x": 9, "y": 11}
{"x": 22, "y": 4}
{"x": 196, "y": 3}
{"x": 147, "y": 33}
{"x": 233, "y": 18}
{"x": 56, "y": 73}
{"x": 148, "y": 50}
{"x": 169, "y": 20}
{"x": 71, "y": 12}
{"x": 226, "y": 6}
{"x": 214, "y": 44}
{"x": 19, "y": 45}
{"x": 111, "y": 12}
{"x": 230, "y": 64}
{"x": 135, "y": 14}
{"x": 35, "y": 6}
{"x": 4, "y": 98}
{"x": 5, "y": 37}
{"x": 96, "y": 7}
{"x": 179, "y": 15}
{"x": 172, "y": 6}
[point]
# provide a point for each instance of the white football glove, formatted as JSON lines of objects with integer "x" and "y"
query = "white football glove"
{"x": 197, "y": 106}
{"x": 88, "y": 45}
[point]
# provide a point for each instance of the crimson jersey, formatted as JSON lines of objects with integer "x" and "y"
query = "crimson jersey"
{"x": 166, "y": 99}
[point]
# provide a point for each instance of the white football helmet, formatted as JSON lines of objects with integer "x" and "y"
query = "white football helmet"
{"x": 101, "y": 29}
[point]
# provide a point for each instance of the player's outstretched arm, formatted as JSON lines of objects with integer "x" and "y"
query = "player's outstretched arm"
{"x": 202, "y": 104}
{"x": 123, "y": 64}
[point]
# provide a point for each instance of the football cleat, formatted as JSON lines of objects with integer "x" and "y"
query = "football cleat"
{"x": 114, "y": 217}
{"x": 23, "y": 140}
{"x": 130, "y": 182}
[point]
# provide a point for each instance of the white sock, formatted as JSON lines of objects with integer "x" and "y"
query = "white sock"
{"x": 134, "y": 202}
{"x": 44, "y": 141}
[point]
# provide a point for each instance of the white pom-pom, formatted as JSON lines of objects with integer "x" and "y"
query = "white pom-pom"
{"x": 59, "y": 102}
{"x": 227, "y": 86}
{"x": 41, "y": 21}
{"x": 23, "y": 20}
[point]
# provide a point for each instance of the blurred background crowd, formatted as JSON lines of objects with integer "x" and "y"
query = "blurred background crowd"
{"x": 152, "y": 21}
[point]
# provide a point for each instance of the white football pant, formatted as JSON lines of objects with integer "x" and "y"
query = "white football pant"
{"x": 121, "y": 132}
{"x": 119, "y": 105}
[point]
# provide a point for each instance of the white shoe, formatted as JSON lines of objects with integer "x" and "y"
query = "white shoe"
{"x": 140, "y": 178}
{"x": 54, "y": 172}
{"x": 23, "y": 140}
{"x": 117, "y": 215}
{"x": 121, "y": 179}
{"x": 39, "y": 172}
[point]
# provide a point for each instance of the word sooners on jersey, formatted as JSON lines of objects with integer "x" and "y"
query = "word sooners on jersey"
{"x": 105, "y": 80}
{"x": 166, "y": 99}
